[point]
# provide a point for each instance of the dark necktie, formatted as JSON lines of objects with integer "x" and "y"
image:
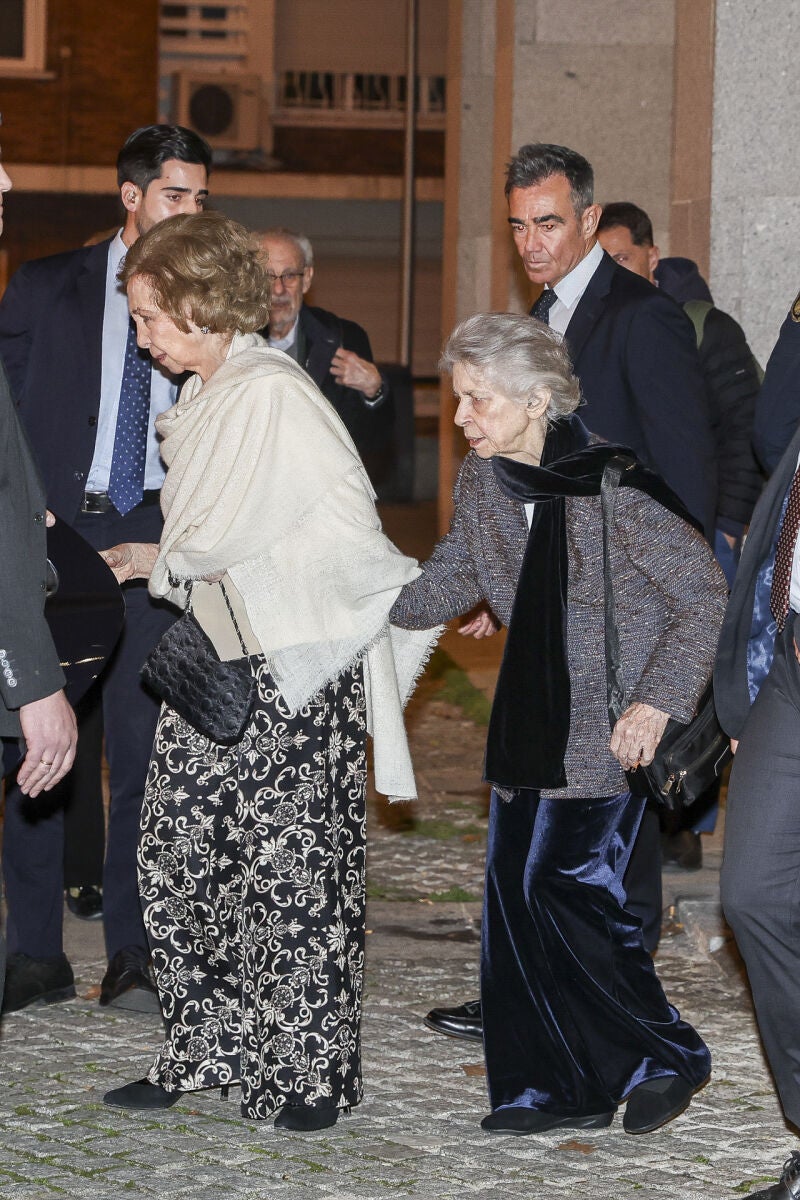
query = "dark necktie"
{"x": 126, "y": 478}
{"x": 541, "y": 309}
{"x": 784, "y": 555}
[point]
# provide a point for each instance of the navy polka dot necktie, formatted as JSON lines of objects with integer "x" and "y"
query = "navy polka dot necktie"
{"x": 541, "y": 309}
{"x": 784, "y": 555}
{"x": 126, "y": 479}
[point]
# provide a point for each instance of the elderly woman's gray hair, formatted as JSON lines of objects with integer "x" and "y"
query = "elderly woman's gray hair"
{"x": 517, "y": 355}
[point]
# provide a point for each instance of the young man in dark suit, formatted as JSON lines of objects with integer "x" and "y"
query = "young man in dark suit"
{"x": 88, "y": 400}
{"x": 634, "y": 352}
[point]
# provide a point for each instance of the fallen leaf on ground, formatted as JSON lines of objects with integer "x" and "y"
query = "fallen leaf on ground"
{"x": 578, "y": 1147}
{"x": 473, "y": 1068}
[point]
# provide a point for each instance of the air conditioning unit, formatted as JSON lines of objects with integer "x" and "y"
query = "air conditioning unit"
{"x": 225, "y": 109}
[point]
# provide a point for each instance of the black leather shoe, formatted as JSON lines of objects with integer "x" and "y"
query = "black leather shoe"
{"x": 36, "y": 981}
{"x": 682, "y": 851}
{"x": 141, "y": 1095}
{"x": 86, "y": 903}
{"x": 465, "y": 1021}
{"x": 128, "y": 983}
{"x": 305, "y": 1118}
{"x": 787, "y": 1187}
{"x": 521, "y": 1121}
{"x": 655, "y": 1102}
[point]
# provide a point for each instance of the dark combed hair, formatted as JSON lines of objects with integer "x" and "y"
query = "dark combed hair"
{"x": 537, "y": 161}
{"x": 147, "y": 149}
{"x": 206, "y": 267}
{"x": 631, "y": 217}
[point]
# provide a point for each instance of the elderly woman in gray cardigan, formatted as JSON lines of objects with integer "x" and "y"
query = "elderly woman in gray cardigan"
{"x": 575, "y": 1020}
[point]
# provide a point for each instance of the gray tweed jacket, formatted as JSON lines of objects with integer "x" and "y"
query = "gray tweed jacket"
{"x": 670, "y": 598}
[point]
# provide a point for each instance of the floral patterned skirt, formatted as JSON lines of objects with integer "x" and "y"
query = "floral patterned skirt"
{"x": 251, "y": 874}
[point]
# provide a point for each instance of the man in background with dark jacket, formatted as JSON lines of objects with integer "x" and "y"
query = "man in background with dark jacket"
{"x": 731, "y": 372}
{"x": 335, "y": 352}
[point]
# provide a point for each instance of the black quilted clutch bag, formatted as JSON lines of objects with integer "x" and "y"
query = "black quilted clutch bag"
{"x": 215, "y": 697}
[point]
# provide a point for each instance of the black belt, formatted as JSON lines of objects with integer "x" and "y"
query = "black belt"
{"x": 99, "y": 502}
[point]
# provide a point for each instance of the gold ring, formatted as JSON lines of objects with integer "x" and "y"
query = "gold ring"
{"x": 45, "y": 763}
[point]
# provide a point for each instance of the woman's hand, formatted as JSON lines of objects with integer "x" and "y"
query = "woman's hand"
{"x": 637, "y": 734}
{"x": 131, "y": 560}
{"x": 480, "y": 623}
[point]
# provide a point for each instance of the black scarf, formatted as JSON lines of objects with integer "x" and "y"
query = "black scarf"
{"x": 529, "y": 725}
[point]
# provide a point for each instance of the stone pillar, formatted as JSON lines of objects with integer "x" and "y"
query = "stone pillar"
{"x": 755, "y": 217}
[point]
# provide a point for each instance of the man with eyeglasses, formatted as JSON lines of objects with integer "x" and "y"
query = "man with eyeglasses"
{"x": 336, "y": 353}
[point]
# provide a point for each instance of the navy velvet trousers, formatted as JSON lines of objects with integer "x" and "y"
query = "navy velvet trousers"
{"x": 574, "y": 1015}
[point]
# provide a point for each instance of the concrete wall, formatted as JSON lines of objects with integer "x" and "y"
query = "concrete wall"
{"x": 755, "y": 217}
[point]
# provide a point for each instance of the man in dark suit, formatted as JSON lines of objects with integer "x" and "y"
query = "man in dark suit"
{"x": 37, "y": 725}
{"x": 336, "y": 353}
{"x": 634, "y": 352}
{"x": 778, "y": 405}
{"x": 757, "y": 694}
{"x": 88, "y": 400}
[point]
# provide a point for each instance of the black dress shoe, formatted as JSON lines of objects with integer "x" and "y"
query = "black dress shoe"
{"x": 787, "y": 1187}
{"x": 128, "y": 983}
{"x": 520, "y": 1121}
{"x": 141, "y": 1095}
{"x": 36, "y": 981}
{"x": 465, "y": 1021}
{"x": 656, "y": 1101}
{"x": 86, "y": 903}
{"x": 682, "y": 851}
{"x": 305, "y": 1118}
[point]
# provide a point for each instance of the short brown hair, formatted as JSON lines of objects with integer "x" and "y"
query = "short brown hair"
{"x": 205, "y": 266}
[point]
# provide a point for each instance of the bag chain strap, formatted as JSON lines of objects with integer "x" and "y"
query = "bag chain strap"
{"x": 235, "y": 622}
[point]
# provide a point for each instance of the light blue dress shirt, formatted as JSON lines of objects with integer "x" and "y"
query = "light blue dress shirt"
{"x": 163, "y": 389}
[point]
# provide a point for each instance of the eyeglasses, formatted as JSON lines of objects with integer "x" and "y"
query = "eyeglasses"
{"x": 286, "y": 277}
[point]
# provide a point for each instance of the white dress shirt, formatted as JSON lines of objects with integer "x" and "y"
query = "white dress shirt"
{"x": 163, "y": 389}
{"x": 570, "y": 289}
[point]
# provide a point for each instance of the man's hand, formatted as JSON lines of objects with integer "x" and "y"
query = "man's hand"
{"x": 354, "y": 372}
{"x": 480, "y": 624}
{"x": 51, "y": 735}
{"x": 637, "y": 734}
{"x": 131, "y": 560}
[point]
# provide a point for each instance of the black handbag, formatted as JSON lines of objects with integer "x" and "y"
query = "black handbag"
{"x": 217, "y": 698}
{"x": 690, "y": 757}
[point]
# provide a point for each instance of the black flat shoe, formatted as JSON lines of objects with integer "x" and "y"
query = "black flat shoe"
{"x": 520, "y": 1121}
{"x": 465, "y": 1021}
{"x": 657, "y": 1101}
{"x": 305, "y": 1118}
{"x": 141, "y": 1095}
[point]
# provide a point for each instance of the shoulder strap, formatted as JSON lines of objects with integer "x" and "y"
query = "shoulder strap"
{"x": 615, "y": 683}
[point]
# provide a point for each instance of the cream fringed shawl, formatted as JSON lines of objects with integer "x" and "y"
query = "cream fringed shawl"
{"x": 264, "y": 482}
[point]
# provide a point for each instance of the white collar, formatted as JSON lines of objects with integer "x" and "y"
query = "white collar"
{"x": 572, "y": 286}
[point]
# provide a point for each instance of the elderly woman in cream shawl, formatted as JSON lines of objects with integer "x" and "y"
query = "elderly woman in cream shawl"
{"x": 251, "y": 857}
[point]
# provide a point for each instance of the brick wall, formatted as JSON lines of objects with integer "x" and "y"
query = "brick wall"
{"x": 104, "y": 59}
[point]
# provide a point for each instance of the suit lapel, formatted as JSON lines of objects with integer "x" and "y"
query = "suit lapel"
{"x": 321, "y": 345}
{"x": 91, "y": 289}
{"x": 590, "y": 307}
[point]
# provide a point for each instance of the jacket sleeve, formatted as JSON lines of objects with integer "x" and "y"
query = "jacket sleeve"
{"x": 29, "y": 666}
{"x": 680, "y": 566}
{"x": 16, "y": 328}
{"x": 732, "y": 380}
{"x": 666, "y": 381}
{"x": 449, "y": 584}
{"x": 777, "y": 414}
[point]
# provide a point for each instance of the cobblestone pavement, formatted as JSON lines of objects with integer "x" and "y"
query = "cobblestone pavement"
{"x": 416, "y": 1134}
